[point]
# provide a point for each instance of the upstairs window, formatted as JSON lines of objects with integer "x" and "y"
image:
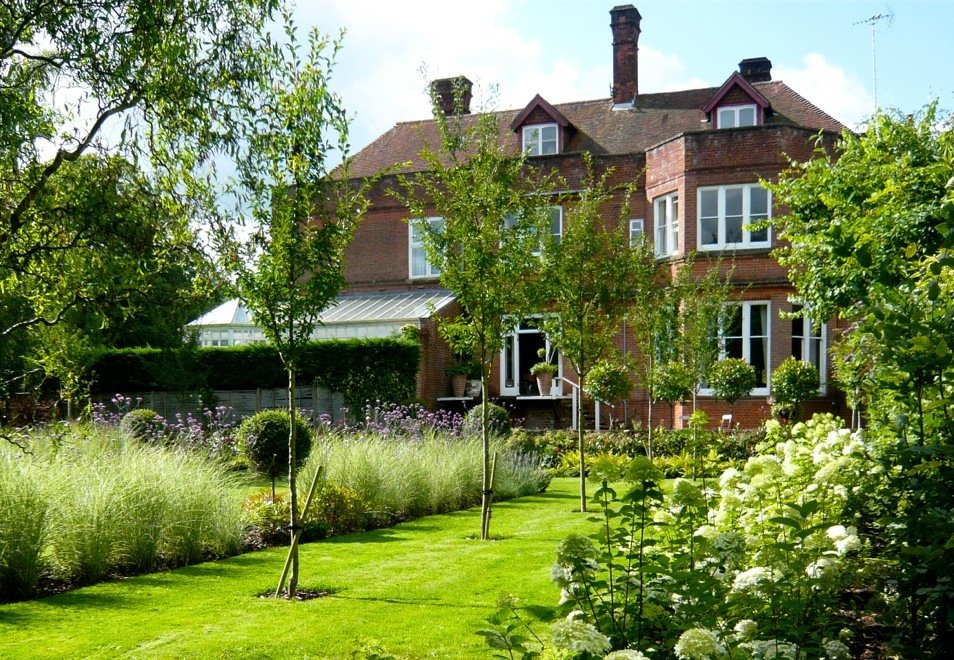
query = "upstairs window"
{"x": 666, "y": 210}
{"x": 736, "y": 116}
{"x": 420, "y": 267}
{"x": 725, "y": 212}
{"x": 540, "y": 139}
{"x": 556, "y": 224}
{"x": 635, "y": 231}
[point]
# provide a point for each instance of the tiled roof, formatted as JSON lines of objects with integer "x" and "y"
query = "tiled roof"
{"x": 601, "y": 129}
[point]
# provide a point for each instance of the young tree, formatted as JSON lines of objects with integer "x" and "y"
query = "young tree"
{"x": 593, "y": 275}
{"x": 731, "y": 379}
{"x": 302, "y": 215}
{"x": 486, "y": 245}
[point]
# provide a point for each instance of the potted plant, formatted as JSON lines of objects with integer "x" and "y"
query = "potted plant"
{"x": 459, "y": 372}
{"x": 543, "y": 371}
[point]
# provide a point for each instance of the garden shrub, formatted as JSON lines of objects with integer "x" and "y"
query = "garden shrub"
{"x": 144, "y": 425}
{"x": 268, "y": 516}
{"x": 337, "y": 510}
{"x": 793, "y": 381}
{"x": 498, "y": 420}
{"x": 263, "y": 441}
{"x": 731, "y": 379}
{"x": 608, "y": 381}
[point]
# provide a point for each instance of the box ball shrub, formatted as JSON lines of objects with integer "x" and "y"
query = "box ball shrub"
{"x": 498, "y": 419}
{"x": 144, "y": 425}
{"x": 263, "y": 441}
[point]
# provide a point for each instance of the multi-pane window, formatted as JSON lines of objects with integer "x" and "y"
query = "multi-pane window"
{"x": 666, "y": 211}
{"x": 726, "y": 212}
{"x": 540, "y": 139}
{"x": 556, "y": 223}
{"x": 808, "y": 340}
{"x": 635, "y": 231}
{"x": 745, "y": 335}
{"x": 420, "y": 267}
{"x": 734, "y": 116}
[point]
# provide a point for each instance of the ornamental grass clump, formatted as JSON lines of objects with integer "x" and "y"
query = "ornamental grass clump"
{"x": 100, "y": 506}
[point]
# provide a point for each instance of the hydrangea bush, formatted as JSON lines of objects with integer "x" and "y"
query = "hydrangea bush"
{"x": 752, "y": 565}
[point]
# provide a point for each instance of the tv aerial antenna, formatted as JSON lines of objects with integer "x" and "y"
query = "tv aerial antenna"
{"x": 874, "y": 21}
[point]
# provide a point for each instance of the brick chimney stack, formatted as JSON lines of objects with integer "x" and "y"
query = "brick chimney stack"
{"x": 449, "y": 90}
{"x": 756, "y": 69}
{"x": 624, "y": 21}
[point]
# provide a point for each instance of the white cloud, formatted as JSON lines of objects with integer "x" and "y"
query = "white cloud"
{"x": 836, "y": 91}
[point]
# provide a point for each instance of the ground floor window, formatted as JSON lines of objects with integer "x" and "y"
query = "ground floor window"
{"x": 808, "y": 342}
{"x": 745, "y": 335}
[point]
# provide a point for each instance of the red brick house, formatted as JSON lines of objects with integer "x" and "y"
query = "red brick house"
{"x": 697, "y": 156}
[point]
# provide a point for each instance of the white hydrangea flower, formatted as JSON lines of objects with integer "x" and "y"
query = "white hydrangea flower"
{"x": 626, "y": 654}
{"x": 698, "y": 644}
{"x": 837, "y": 532}
{"x": 770, "y": 649}
{"x": 580, "y": 637}
{"x": 753, "y": 579}
{"x": 821, "y": 567}
{"x": 746, "y": 628}
{"x": 836, "y": 650}
{"x": 850, "y": 543}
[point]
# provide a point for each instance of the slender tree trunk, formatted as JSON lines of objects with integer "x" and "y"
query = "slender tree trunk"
{"x": 487, "y": 484}
{"x": 293, "y": 495}
{"x": 580, "y": 432}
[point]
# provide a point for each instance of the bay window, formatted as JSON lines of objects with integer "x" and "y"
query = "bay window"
{"x": 725, "y": 213}
{"x": 666, "y": 211}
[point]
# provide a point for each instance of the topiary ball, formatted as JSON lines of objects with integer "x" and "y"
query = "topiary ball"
{"x": 263, "y": 441}
{"x": 144, "y": 425}
{"x": 498, "y": 420}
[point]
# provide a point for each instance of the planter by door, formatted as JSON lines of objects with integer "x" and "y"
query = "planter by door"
{"x": 458, "y": 385}
{"x": 544, "y": 383}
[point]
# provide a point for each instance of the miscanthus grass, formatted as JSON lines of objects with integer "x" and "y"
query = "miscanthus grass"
{"x": 406, "y": 478}
{"x": 84, "y": 503}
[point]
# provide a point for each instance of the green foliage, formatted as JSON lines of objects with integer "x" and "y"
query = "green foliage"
{"x": 731, "y": 379}
{"x": 361, "y": 369}
{"x": 498, "y": 420}
{"x": 268, "y": 515}
{"x": 609, "y": 381}
{"x": 338, "y": 510}
{"x": 144, "y": 425}
{"x": 793, "y": 381}
{"x": 673, "y": 382}
{"x": 263, "y": 441}
{"x": 24, "y": 535}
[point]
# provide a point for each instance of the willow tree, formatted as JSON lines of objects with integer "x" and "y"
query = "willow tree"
{"x": 488, "y": 218}
{"x": 301, "y": 214}
{"x": 594, "y": 273}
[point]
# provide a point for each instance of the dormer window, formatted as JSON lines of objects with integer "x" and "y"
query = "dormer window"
{"x": 735, "y": 116}
{"x": 540, "y": 139}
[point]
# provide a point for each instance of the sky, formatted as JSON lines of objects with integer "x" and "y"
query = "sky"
{"x": 562, "y": 49}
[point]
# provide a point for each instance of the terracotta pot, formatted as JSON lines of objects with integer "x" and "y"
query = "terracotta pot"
{"x": 544, "y": 383}
{"x": 458, "y": 384}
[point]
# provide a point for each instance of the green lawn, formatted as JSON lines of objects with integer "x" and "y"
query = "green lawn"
{"x": 420, "y": 589}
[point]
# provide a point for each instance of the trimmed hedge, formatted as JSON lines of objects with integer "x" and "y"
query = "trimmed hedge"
{"x": 361, "y": 369}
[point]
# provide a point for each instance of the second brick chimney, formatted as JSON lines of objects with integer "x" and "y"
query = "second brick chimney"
{"x": 451, "y": 90}
{"x": 624, "y": 21}
{"x": 756, "y": 69}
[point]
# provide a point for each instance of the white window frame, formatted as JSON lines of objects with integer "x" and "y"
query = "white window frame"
{"x": 536, "y": 143}
{"x": 746, "y": 218}
{"x": 415, "y": 246}
{"x": 729, "y": 116}
{"x": 637, "y": 227}
{"x": 804, "y": 343}
{"x": 747, "y": 338}
{"x": 666, "y": 224}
